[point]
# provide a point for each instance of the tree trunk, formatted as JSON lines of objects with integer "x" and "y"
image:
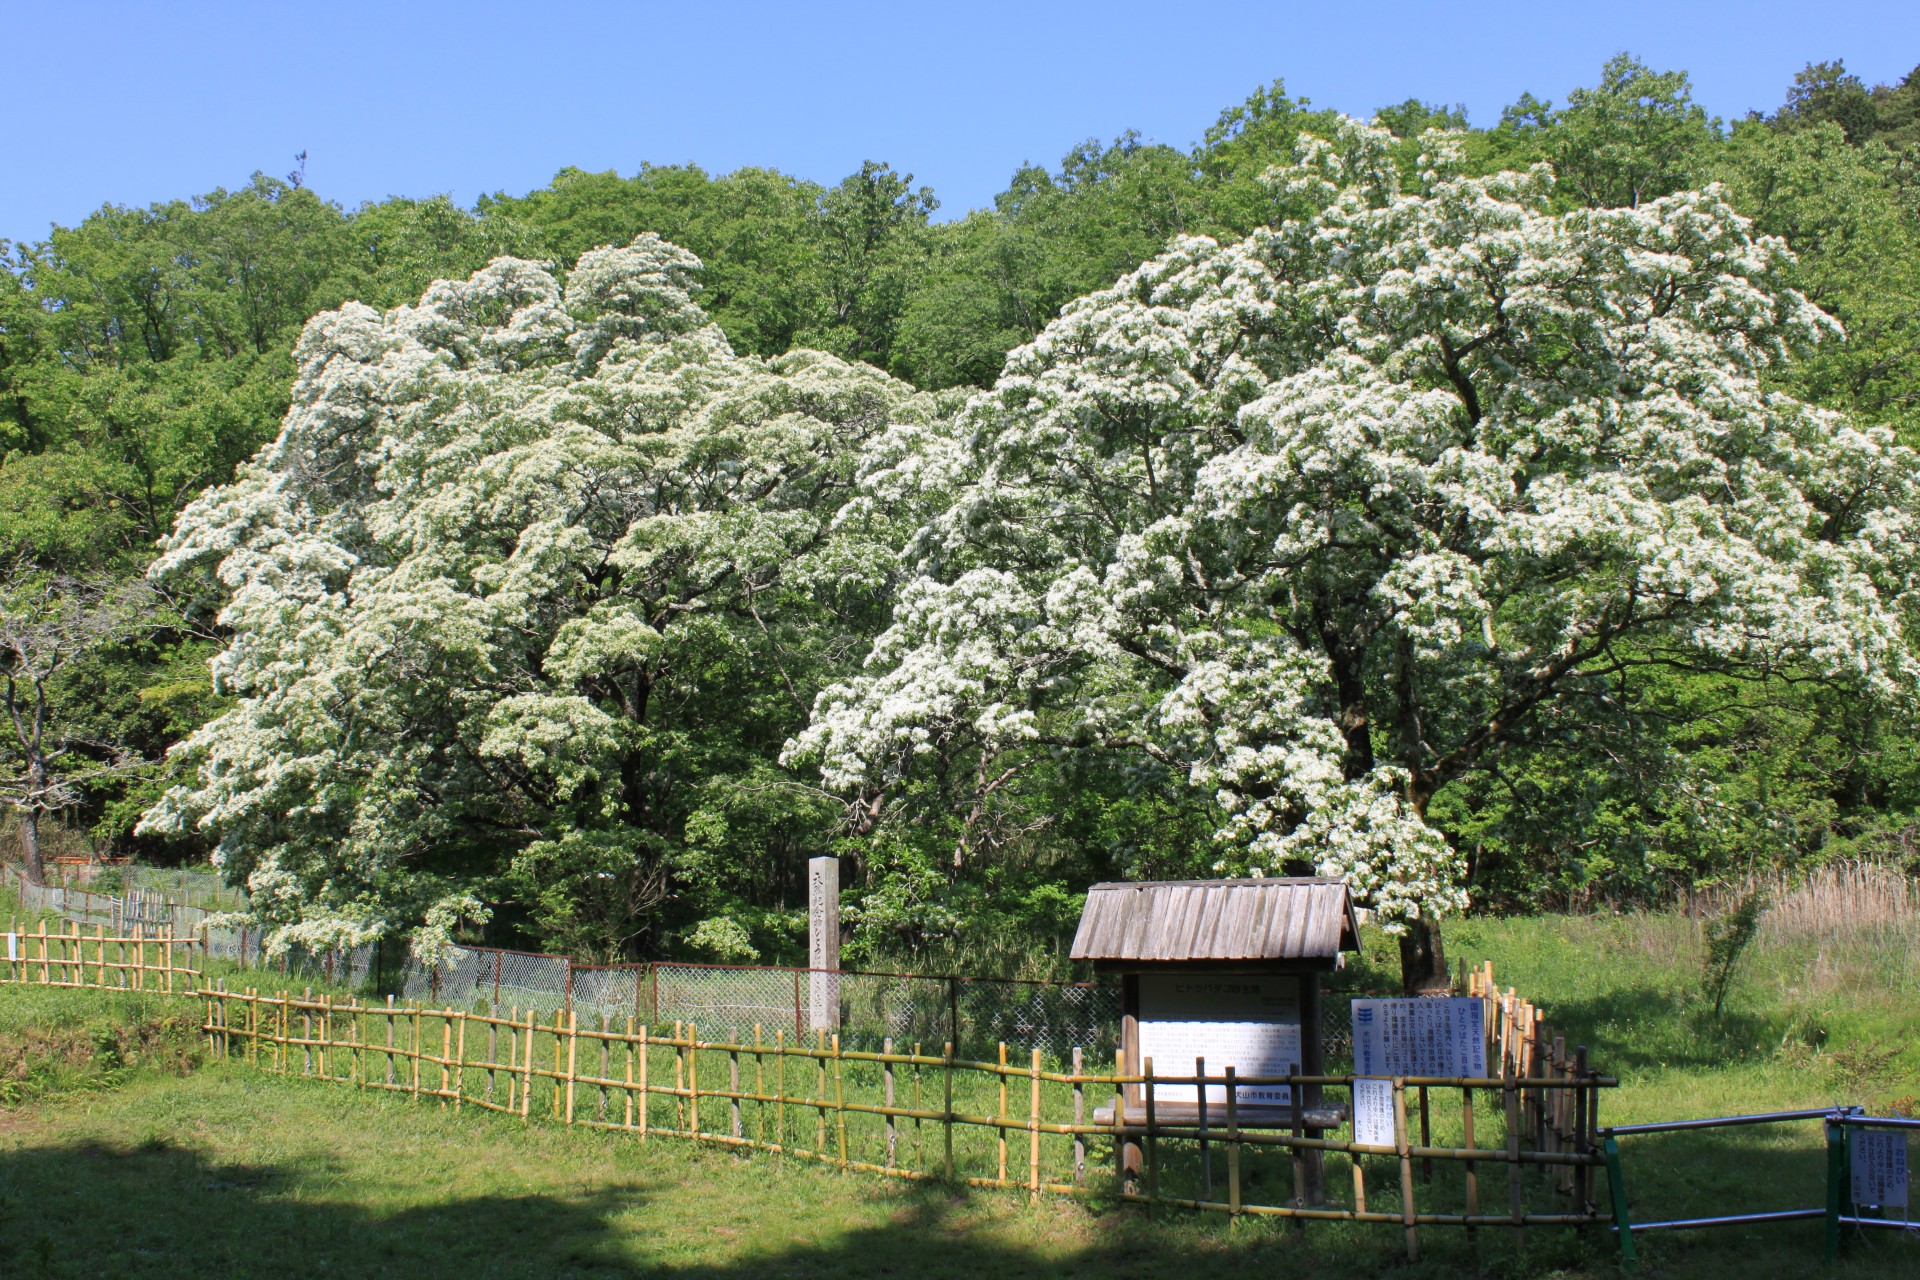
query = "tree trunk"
{"x": 30, "y": 846}
{"x": 1423, "y": 962}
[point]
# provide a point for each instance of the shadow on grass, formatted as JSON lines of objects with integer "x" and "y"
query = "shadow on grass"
{"x": 1637, "y": 1027}
{"x": 162, "y": 1209}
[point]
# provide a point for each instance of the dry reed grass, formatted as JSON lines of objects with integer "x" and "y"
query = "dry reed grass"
{"x": 1840, "y": 900}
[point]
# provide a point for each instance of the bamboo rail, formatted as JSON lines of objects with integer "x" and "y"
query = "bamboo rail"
{"x": 869, "y": 1110}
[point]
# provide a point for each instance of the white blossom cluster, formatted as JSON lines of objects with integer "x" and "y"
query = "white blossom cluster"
{"x": 1325, "y": 514}
{"x": 490, "y": 525}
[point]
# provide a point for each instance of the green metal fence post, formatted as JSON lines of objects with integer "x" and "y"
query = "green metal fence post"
{"x": 1617, "y": 1188}
{"x": 1837, "y": 1175}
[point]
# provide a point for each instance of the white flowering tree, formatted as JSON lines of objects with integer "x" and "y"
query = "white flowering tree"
{"x": 534, "y": 567}
{"x": 1338, "y": 514}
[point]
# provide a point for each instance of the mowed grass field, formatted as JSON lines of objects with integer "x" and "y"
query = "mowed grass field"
{"x": 125, "y": 1153}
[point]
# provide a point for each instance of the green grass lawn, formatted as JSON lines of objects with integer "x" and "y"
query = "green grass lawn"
{"x": 123, "y": 1165}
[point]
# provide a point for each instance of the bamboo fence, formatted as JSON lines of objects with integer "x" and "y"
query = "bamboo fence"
{"x": 1023, "y": 1122}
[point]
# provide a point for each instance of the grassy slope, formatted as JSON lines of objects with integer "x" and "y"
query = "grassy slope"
{"x": 232, "y": 1172}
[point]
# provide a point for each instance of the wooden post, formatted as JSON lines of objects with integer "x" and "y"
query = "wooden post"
{"x": 1206, "y": 1148}
{"x": 1033, "y": 1134}
{"x": 1079, "y": 1119}
{"x": 526, "y": 1071}
{"x": 946, "y": 1108}
{"x": 1000, "y": 1129}
{"x": 643, "y": 1083}
{"x": 759, "y": 1086}
{"x": 886, "y": 1086}
{"x": 414, "y": 1056}
{"x": 460, "y": 1064}
{"x": 1473, "y": 1166}
{"x": 606, "y": 1026}
{"x": 1510, "y": 1098}
{"x": 627, "y": 1114}
{"x": 693, "y": 1080}
{"x": 306, "y": 1031}
{"x": 493, "y": 1048}
{"x": 1233, "y": 1145}
{"x": 1402, "y": 1147}
{"x": 1153, "y": 1139}
{"x": 733, "y": 1084}
{"x": 389, "y": 1042}
{"x": 780, "y": 1089}
{"x": 573, "y": 1053}
{"x": 839, "y": 1103}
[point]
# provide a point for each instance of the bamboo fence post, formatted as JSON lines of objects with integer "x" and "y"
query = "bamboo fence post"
{"x": 606, "y": 1026}
{"x": 1079, "y": 1119}
{"x": 1354, "y": 1159}
{"x": 286, "y": 1030}
{"x": 1200, "y": 1116}
{"x": 359, "y": 1043}
{"x": 886, "y": 1095}
{"x": 946, "y": 1106}
{"x": 1033, "y": 1134}
{"x": 306, "y": 1031}
{"x": 1153, "y": 1140}
{"x": 100, "y": 941}
{"x": 414, "y": 1057}
{"x": 526, "y": 1072}
{"x": 1473, "y": 1166}
{"x": 1233, "y": 1145}
{"x": 643, "y": 1081}
{"x": 1426, "y": 1138}
{"x": 627, "y": 1111}
{"x": 1510, "y": 1097}
{"x": 820, "y": 1093}
{"x": 326, "y": 1032}
{"x": 46, "y": 971}
{"x": 460, "y": 1063}
{"x": 693, "y": 1081}
{"x": 166, "y": 950}
{"x": 573, "y": 1053}
{"x": 680, "y": 1075}
{"x": 919, "y": 1147}
{"x": 1402, "y": 1149}
{"x": 759, "y": 1086}
{"x": 780, "y": 1089}
{"x": 1000, "y": 1128}
{"x": 839, "y": 1103}
{"x": 389, "y": 1040}
{"x": 493, "y": 1049}
{"x": 733, "y": 1086}
{"x": 1588, "y": 1099}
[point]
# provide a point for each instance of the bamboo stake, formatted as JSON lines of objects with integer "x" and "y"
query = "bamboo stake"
{"x": 693, "y": 1081}
{"x": 780, "y": 1088}
{"x": 1153, "y": 1142}
{"x": 839, "y": 1103}
{"x": 627, "y": 1117}
{"x": 946, "y": 1107}
{"x": 573, "y": 1050}
{"x": 1079, "y": 1119}
{"x": 759, "y": 1086}
{"x": 460, "y": 1064}
{"x": 643, "y": 1082}
{"x": 1033, "y": 1134}
{"x": 606, "y": 1025}
{"x": 1510, "y": 1097}
{"x": 1206, "y": 1148}
{"x": 733, "y": 1085}
{"x": 493, "y": 1051}
{"x": 1426, "y": 1138}
{"x": 526, "y": 1072}
{"x": 1402, "y": 1148}
{"x": 886, "y": 1085}
{"x": 389, "y": 1041}
{"x": 306, "y": 1033}
{"x": 820, "y": 1093}
{"x": 1473, "y": 1168}
{"x": 1000, "y": 1130}
{"x": 919, "y": 1149}
{"x": 1233, "y": 1145}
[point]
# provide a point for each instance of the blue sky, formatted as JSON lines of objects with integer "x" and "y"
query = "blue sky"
{"x": 132, "y": 103}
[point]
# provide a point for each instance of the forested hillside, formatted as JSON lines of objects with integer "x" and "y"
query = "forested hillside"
{"x": 656, "y": 500}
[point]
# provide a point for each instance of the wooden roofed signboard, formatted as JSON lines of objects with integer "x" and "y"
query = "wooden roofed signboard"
{"x": 1226, "y": 972}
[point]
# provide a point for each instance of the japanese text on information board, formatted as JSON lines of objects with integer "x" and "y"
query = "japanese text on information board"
{"x": 1433, "y": 1037}
{"x": 1250, "y": 1023}
{"x": 1880, "y": 1168}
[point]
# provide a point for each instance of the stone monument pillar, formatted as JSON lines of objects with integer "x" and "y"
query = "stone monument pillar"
{"x": 823, "y": 944}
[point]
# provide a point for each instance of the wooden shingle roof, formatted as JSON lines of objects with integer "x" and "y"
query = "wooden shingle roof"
{"x": 1307, "y": 918}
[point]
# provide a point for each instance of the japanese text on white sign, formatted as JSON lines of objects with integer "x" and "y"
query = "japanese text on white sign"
{"x": 1250, "y": 1023}
{"x": 1433, "y": 1037}
{"x": 1879, "y": 1168}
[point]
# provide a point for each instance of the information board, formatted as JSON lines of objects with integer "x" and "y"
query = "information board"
{"x": 1439, "y": 1036}
{"x": 1373, "y": 1111}
{"x": 1880, "y": 1168}
{"x": 1250, "y": 1023}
